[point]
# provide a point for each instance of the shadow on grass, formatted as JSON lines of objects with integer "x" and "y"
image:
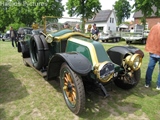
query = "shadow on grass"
{"x": 11, "y": 89}
{"x": 141, "y": 91}
{"x": 56, "y": 84}
{"x": 2, "y": 113}
{"x": 98, "y": 107}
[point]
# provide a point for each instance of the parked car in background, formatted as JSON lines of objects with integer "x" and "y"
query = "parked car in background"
{"x": 110, "y": 36}
{"x": 22, "y": 31}
{"x": 136, "y": 34}
{"x": 146, "y": 32}
{"x": 1, "y": 35}
{"x": 6, "y": 36}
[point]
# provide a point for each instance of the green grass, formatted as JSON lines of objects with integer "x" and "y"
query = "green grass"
{"x": 24, "y": 95}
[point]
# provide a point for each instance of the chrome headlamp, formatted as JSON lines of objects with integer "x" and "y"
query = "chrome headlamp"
{"x": 104, "y": 71}
{"x": 134, "y": 61}
{"x": 49, "y": 39}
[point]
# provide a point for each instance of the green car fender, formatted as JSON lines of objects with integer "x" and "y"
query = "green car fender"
{"x": 76, "y": 61}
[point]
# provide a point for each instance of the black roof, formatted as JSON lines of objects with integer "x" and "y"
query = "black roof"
{"x": 101, "y": 16}
{"x": 139, "y": 13}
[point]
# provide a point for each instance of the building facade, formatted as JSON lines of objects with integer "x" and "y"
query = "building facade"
{"x": 150, "y": 21}
{"x": 105, "y": 21}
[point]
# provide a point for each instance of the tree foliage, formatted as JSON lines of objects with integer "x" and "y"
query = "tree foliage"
{"x": 83, "y": 8}
{"x": 4, "y": 21}
{"x": 48, "y": 8}
{"x": 15, "y": 26}
{"x": 28, "y": 11}
{"x": 146, "y": 7}
{"x": 122, "y": 10}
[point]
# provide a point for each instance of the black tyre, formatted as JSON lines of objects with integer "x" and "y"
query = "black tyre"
{"x": 103, "y": 40}
{"x": 143, "y": 41}
{"x": 114, "y": 40}
{"x": 72, "y": 89}
{"x": 46, "y": 50}
{"x": 128, "y": 42}
{"x": 36, "y": 52}
{"x": 119, "y": 82}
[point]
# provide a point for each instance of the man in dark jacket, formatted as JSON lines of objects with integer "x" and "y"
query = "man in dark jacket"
{"x": 95, "y": 32}
{"x": 13, "y": 36}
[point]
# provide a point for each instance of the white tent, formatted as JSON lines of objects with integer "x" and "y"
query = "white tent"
{"x": 123, "y": 26}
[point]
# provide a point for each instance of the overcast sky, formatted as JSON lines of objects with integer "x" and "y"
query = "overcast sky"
{"x": 106, "y": 4}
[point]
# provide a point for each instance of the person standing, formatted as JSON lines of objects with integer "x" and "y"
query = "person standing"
{"x": 153, "y": 47}
{"x": 13, "y": 36}
{"x": 95, "y": 32}
{"x": 77, "y": 28}
{"x": 66, "y": 25}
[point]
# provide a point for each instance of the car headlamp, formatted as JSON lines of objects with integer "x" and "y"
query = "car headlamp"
{"x": 104, "y": 71}
{"x": 134, "y": 61}
{"x": 49, "y": 39}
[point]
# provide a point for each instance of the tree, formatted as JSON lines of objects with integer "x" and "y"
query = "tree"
{"x": 28, "y": 11}
{"x": 4, "y": 21}
{"x": 122, "y": 10}
{"x": 83, "y": 8}
{"x": 146, "y": 7}
{"x": 48, "y": 8}
{"x": 157, "y": 4}
{"x": 18, "y": 12}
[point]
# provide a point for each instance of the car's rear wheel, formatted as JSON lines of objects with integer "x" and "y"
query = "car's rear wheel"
{"x": 120, "y": 81}
{"x": 72, "y": 89}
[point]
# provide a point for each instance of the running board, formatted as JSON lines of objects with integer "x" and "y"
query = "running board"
{"x": 29, "y": 62}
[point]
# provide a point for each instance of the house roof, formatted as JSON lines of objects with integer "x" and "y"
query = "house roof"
{"x": 101, "y": 16}
{"x": 139, "y": 13}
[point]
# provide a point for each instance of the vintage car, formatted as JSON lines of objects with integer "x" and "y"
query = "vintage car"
{"x": 22, "y": 31}
{"x": 74, "y": 58}
{"x": 6, "y": 36}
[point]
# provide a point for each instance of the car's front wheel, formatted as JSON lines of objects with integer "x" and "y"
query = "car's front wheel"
{"x": 72, "y": 89}
{"x": 127, "y": 82}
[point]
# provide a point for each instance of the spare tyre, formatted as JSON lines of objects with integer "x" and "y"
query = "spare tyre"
{"x": 36, "y": 52}
{"x": 46, "y": 50}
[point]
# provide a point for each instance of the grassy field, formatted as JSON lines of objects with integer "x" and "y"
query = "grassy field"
{"x": 25, "y": 95}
